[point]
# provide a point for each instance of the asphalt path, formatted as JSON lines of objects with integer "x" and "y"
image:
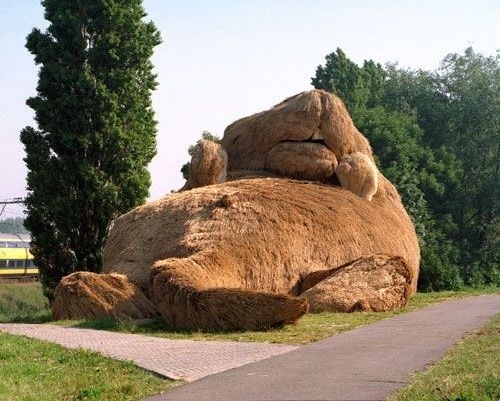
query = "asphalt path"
{"x": 367, "y": 363}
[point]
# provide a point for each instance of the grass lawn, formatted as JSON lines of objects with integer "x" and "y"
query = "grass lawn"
{"x": 36, "y": 370}
{"x": 311, "y": 327}
{"x": 22, "y": 302}
{"x": 469, "y": 372}
{"x": 32, "y": 370}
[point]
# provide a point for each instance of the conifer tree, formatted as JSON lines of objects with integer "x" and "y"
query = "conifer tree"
{"x": 87, "y": 160}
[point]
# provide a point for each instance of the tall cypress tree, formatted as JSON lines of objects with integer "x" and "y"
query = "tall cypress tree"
{"x": 87, "y": 161}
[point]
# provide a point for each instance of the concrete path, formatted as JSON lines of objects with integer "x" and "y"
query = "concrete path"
{"x": 368, "y": 363}
{"x": 175, "y": 359}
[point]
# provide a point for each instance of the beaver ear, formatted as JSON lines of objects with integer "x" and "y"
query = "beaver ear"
{"x": 208, "y": 165}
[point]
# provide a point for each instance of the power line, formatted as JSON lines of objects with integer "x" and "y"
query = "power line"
{"x": 11, "y": 201}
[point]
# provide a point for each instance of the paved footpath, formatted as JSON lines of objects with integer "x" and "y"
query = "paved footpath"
{"x": 368, "y": 363}
{"x": 175, "y": 359}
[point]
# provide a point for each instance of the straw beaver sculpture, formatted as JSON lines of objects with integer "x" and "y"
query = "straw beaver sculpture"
{"x": 288, "y": 214}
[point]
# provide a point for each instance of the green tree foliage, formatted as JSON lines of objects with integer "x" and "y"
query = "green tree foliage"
{"x": 341, "y": 76}
{"x": 205, "y": 135}
{"x": 13, "y": 225}
{"x": 470, "y": 82}
{"x": 87, "y": 161}
{"x": 436, "y": 138}
{"x": 359, "y": 88}
{"x": 458, "y": 108}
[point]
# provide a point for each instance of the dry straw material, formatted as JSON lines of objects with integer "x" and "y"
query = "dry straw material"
{"x": 375, "y": 283}
{"x": 262, "y": 237}
{"x": 89, "y": 295}
{"x": 358, "y": 173}
{"x": 208, "y": 165}
{"x": 302, "y": 160}
{"x": 263, "y": 249}
{"x": 309, "y": 117}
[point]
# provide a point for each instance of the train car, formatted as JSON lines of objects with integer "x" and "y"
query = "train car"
{"x": 16, "y": 259}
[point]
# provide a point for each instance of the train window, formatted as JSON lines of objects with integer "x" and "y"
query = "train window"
{"x": 4, "y": 263}
{"x": 16, "y": 263}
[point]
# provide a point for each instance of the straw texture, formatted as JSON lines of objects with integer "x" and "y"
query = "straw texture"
{"x": 292, "y": 230}
{"x": 309, "y": 117}
{"x": 357, "y": 173}
{"x": 208, "y": 165}
{"x": 259, "y": 236}
{"x": 86, "y": 295}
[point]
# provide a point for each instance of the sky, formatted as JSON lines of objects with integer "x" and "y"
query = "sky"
{"x": 224, "y": 60}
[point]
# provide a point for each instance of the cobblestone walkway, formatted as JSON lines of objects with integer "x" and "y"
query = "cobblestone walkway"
{"x": 175, "y": 359}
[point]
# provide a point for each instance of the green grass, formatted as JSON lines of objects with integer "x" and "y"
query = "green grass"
{"x": 35, "y": 370}
{"x": 32, "y": 370}
{"x": 23, "y": 302}
{"x": 469, "y": 372}
{"x": 311, "y": 327}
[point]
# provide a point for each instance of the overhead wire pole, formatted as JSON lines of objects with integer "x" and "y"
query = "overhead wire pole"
{"x": 6, "y": 202}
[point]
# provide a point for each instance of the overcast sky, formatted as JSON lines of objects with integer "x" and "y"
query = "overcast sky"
{"x": 223, "y": 60}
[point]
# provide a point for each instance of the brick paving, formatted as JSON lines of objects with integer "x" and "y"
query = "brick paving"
{"x": 175, "y": 359}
